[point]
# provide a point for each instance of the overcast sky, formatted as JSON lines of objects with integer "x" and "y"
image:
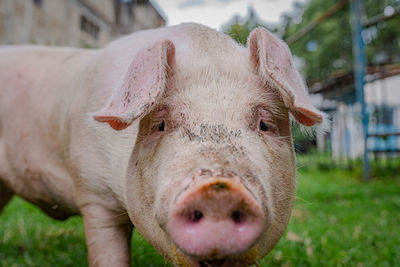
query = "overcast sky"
{"x": 215, "y": 13}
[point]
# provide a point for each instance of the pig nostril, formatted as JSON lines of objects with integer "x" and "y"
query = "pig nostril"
{"x": 196, "y": 216}
{"x": 237, "y": 216}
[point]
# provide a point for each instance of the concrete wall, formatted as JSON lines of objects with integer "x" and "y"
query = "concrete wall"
{"x": 78, "y": 23}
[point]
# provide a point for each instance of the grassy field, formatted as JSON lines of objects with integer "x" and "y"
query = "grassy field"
{"x": 337, "y": 221}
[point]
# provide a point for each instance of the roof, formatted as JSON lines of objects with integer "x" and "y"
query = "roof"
{"x": 345, "y": 78}
{"x": 159, "y": 10}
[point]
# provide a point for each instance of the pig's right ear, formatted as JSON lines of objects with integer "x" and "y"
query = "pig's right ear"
{"x": 273, "y": 62}
{"x": 144, "y": 83}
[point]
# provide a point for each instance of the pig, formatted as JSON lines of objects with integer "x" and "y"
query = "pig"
{"x": 177, "y": 131}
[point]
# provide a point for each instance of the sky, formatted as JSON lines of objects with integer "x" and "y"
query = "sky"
{"x": 214, "y": 13}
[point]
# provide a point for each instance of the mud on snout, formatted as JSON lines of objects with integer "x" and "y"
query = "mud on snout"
{"x": 216, "y": 221}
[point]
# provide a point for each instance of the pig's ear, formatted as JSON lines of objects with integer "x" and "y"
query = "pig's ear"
{"x": 273, "y": 61}
{"x": 141, "y": 87}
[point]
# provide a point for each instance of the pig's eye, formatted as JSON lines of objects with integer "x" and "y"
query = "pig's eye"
{"x": 263, "y": 126}
{"x": 161, "y": 126}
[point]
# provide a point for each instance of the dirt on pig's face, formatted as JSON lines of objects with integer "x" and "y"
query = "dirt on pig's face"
{"x": 214, "y": 158}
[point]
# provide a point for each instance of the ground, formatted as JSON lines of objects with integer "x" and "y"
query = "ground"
{"x": 337, "y": 221}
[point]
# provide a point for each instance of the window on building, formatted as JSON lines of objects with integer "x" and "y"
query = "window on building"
{"x": 89, "y": 27}
{"x": 38, "y": 2}
{"x": 123, "y": 11}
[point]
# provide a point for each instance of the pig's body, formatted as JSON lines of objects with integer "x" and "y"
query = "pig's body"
{"x": 35, "y": 98}
{"x": 46, "y": 95}
{"x": 54, "y": 154}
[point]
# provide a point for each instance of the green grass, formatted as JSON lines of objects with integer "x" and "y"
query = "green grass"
{"x": 338, "y": 221}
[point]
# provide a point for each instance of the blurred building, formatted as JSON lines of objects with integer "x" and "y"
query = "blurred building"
{"x": 383, "y": 106}
{"x": 78, "y": 23}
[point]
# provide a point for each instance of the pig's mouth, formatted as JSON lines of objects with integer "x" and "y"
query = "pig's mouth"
{"x": 225, "y": 262}
{"x": 212, "y": 263}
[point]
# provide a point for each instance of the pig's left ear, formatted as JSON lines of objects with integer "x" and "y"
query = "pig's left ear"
{"x": 141, "y": 87}
{"x": 273, "y": 61}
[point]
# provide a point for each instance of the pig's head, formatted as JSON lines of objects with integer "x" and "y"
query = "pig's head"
{"x": 211, "y": 179}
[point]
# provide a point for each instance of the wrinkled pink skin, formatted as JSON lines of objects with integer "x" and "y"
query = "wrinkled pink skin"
{"x": 58, "y": 151}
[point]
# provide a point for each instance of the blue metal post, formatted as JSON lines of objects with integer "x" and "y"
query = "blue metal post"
{"x": 357, "y": 14}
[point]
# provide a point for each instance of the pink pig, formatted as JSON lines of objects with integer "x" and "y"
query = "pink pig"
{"x": 199, "y": 156}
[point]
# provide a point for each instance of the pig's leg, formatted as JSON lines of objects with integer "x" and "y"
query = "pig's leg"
{"x": 108, "y": 236}
{"x": 5, "y": 195}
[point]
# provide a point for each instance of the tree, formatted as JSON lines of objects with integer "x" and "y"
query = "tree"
{"x": 240, "y": 28}
{"x": 327, "y": 49}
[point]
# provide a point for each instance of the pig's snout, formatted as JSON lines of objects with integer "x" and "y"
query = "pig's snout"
{"x": 215, "y": 219}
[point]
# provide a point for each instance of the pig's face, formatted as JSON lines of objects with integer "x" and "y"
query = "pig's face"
{"x": 211, "y": 179}
{"x": 196, "y": 138}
